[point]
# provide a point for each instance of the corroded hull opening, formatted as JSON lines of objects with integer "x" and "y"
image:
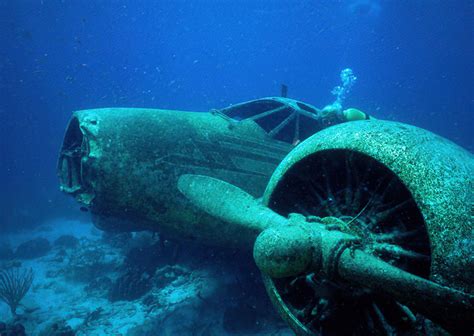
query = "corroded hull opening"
{"x": 124, "y": 164}
{"x": 74, "y": 147}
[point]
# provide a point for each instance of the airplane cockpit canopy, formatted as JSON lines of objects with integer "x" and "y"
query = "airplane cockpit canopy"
{"x": 282, "y": 118}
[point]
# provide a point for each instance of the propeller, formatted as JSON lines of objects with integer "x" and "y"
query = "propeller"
{"x": 290, "y": 246}
{"x": 241, "y": 211}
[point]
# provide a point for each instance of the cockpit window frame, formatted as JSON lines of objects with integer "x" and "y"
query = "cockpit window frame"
{"x": 285, "y": 113}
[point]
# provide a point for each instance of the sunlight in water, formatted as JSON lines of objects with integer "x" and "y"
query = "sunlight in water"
{"x": 364, "y": 8}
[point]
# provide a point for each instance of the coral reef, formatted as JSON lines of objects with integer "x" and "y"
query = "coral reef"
{"x": 57, "y": 328}
{"x": 140, "y": 284}
{"x": 167, "y": 274}
{"x": 147, "y": 258}
{"x": 92, "y": 260}
{"x": 66, "y": 241}
{"x": 131, "y": 286}
{"x": 32, "y": 249}
{"x": 117, "y": 239}
{"x": 99, "y": 287}
{"x": 14, "y": 284}
{"x": 14, "y": 329}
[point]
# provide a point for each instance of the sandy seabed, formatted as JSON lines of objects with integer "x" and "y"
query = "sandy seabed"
{"x": 94, "y": 288}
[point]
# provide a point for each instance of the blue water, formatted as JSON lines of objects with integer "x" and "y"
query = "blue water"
{"x": 413, "y": 60}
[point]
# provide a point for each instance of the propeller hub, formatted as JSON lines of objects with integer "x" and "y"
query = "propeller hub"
{"x": 285, "y": 250}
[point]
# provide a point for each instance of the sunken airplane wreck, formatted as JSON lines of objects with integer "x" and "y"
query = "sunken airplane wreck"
{"x": 364, "y": 228}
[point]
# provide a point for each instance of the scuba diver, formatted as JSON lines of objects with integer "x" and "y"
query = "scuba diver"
{"x": 333, "y": 113}
{"x": 293, "y": 121}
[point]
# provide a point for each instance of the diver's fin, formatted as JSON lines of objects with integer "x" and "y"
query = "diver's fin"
{"x": 353, "y": 114}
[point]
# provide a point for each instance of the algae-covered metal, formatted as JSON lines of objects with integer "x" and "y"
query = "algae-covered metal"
{"x": 321, "y": 274}
{"x": 438, "y": 174}
{"x": 365, "y": 228}
{"x": 406, "y": 193}
{"x": 124, "y": 164}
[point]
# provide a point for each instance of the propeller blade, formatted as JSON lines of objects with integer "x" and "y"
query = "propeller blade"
{"x": 240, "y": 210}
